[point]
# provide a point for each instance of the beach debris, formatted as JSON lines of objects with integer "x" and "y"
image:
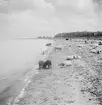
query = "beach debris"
{"x": 69, "y": 45}
{"x": 45, "y": 64}
{"x": 95, "y": 51}
{"x": 94, "y": 46}
{"x": 67, "y": 39}
{"x": 65, "y": 64}
{"x": 80, "y": 45}
{"x": 86, "y": 42}
{"x": 44, "y": 51}
{"x": 77, "y": 57}
{"x": 73, "y": 57}
{"x": 92, "y": 41}
{"x": 48, "y": 44}
{"x": 99, "y": 43}
{"x": 57, "y": 49}
{"x": 100, "y": 58}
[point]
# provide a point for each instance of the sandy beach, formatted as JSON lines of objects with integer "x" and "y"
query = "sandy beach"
{"x": 50, "y": 52}
{"x": 79, "y": 83}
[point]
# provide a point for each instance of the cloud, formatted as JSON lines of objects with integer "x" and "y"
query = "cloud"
{"x": 3, "y": 25}
{"x": 64, "y": 3}
{"x": 31, "y": 18}
{"x": 27, "y": 24}
{"x": 3, "y": 6}
{"x": 9, "y": 6}
{"x": 98, "y": 5}
{"x": 26, "y": 18}
{"x": 79, "y": 14}
{"x": 21, "y": 5}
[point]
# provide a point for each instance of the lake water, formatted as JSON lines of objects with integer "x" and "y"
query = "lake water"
{"x": 17, "y": 56}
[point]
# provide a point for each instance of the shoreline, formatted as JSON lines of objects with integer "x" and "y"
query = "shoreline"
{"x": 7, "y": 96}
{"x": 34, "y": 73}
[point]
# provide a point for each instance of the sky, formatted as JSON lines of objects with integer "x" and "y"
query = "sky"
{"x": 32, "y": 18}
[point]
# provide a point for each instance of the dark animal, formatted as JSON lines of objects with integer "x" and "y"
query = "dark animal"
{"x": 67, "y": 39}
{"x": 86, "y": 42}
{"x": 41, "y": 63}
{"x": 47, "y": 64}
{"x": 48, "y": 44}
{"x": 57, "y": 48}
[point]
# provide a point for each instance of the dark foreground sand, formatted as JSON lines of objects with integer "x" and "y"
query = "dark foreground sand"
{"x": 78, "y": 84}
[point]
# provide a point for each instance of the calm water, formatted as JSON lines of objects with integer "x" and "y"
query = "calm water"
{"x": 17, "y": 57}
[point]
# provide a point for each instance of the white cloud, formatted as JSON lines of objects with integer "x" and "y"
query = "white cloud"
{"x": 21, "y": 5}
{"x": 30, "y": 18}
{"x": 79, "y": 14}
{"x": 67, "y": 3}
{"x": 27, "y": 24}
{"x": 27, "y": 18}
{"x": 3, "y": 25}
{"x": 3, "y": 6}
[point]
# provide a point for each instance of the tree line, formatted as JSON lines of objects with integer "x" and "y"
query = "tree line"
{"x": 83, "y": 34}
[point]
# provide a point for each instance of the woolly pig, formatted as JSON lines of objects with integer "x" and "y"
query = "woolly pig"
{"x": 41, "y": 63}
{"x": 45, "y": 64}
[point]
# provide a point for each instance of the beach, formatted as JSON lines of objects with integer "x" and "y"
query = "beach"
{"x": 78, "y": 83}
